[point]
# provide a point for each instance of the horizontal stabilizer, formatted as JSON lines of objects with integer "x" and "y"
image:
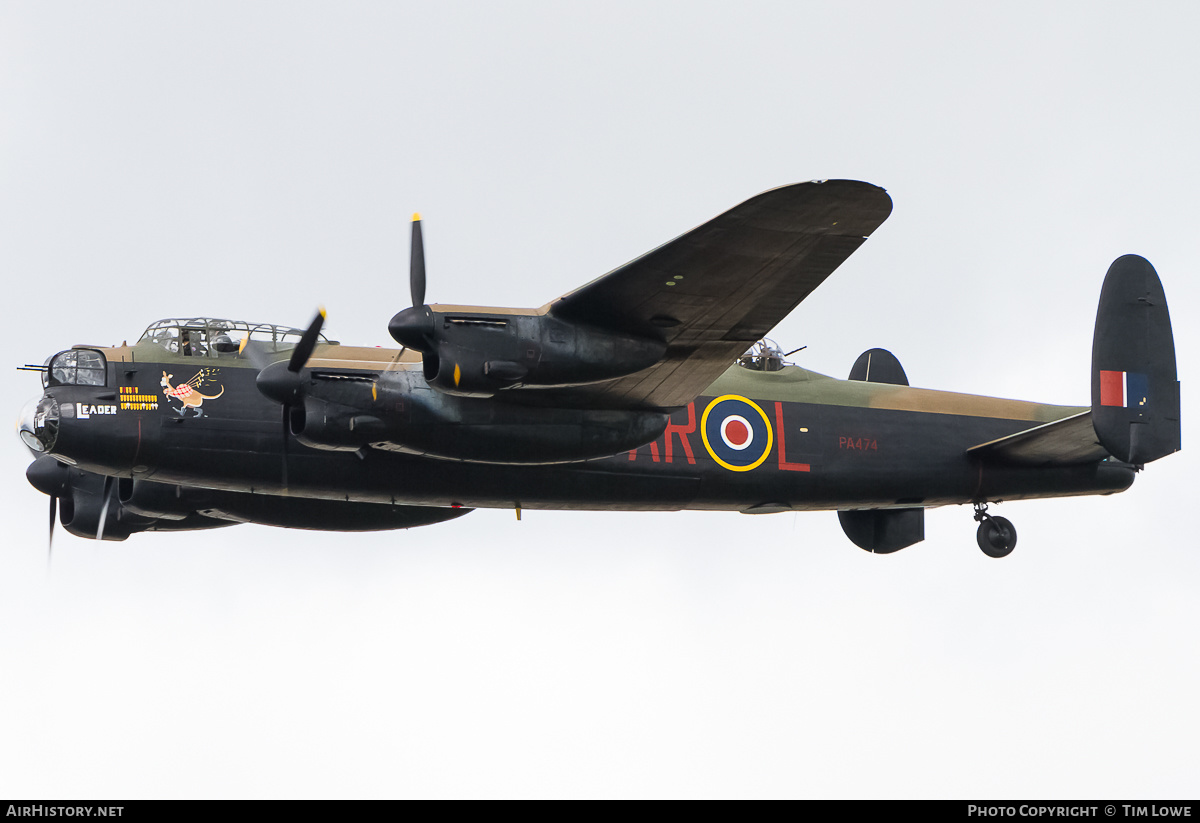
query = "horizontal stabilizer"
{"x": 1068, "y": 442}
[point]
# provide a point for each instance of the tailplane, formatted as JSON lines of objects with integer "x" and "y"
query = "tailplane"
{"x": 1135, "y": 387}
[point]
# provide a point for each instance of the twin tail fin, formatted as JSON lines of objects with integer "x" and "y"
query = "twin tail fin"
{"x": 1135, "y": 386}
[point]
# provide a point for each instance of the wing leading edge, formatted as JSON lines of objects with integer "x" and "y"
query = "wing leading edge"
{"x": 714, "y": 291}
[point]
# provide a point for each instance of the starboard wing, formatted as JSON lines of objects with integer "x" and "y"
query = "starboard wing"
{"x": 714, "y": 291}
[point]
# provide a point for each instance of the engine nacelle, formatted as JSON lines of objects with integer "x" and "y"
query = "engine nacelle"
{"x": 81, "y": 500}
{"x": 465, "y": 372}
{"x": 81, "y": 507}
{"x": 491, "y": 432}
{"x": 530, "y": 445}
{"x": 400, "y": 412}
{"x": 158, "y": 501}
{"x": 475, "y": 352}
{"x": 132, "y": 505}
{"x": 325, "y": 424}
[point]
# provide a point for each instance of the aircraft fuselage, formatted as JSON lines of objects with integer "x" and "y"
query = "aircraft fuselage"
{"x": 755, "y": 441}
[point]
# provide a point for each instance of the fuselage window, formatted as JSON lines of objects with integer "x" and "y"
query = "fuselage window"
{"x": 191, "y": 343}
{"x": 77, "y": 367}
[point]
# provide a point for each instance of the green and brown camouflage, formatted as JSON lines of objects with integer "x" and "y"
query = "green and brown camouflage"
{"x": 628, "y": 394}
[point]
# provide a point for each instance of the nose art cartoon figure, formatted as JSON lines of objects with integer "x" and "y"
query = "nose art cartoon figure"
{"x": 187, "y": 394}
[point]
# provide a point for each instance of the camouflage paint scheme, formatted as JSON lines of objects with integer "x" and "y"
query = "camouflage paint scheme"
{"x": 863, "y": 445}
{"x": 620, "y": 395}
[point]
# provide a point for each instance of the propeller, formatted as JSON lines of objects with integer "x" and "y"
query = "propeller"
{"x": 281, "y": 381}
{"x": 51, "y": 478}
{"x": 416, "y": 268}
{"x": 413, "y": 328}
{"x": 109, "y": 487}
{"x": 53, "y": 517}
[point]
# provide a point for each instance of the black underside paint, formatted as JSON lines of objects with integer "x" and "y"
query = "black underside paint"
{"x": 193, "y": 470}
{"x": 831, "y": 457}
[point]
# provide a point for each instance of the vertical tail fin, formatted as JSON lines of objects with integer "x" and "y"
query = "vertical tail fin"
{"x": 882, "y": 531}
{"x": 878, "y": 366}
{"x": 1135, "y": 388}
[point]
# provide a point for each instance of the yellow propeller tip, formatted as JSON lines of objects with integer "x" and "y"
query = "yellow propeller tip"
{"x": 321, "y": 311}
{"x": 416, "y": 217}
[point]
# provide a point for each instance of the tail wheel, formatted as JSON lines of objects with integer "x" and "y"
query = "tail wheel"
{"x": 996, "y": 536}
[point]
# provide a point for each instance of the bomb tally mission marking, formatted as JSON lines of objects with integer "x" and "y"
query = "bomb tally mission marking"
{"x": 649, "y": 388}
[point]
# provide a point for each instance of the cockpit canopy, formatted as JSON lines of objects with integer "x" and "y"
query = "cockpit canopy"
{"x": 213, "y": 337}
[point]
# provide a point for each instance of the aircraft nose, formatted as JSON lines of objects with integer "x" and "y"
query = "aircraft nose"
{"x": 38, "y": 424}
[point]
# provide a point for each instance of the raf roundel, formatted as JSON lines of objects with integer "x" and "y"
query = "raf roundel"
{"x": 736, "y": 433}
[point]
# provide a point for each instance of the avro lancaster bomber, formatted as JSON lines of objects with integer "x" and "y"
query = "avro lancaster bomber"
{"x": 651, "y": 388}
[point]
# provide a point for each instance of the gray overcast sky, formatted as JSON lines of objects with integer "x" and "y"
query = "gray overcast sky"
{"x": 255, "y": 160}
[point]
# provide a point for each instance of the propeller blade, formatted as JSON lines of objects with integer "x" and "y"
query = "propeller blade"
{"x": 53, "y": 517}
{"x": 286, "y": 432}
{"x": 255, "y": 352}
{"x": 416, "y": 274}
{"x": 308, "y": 342}
{"x": 109, "y": 488}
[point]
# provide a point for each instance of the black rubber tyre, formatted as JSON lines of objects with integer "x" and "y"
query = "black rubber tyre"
{"x": 997, "y": 536}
